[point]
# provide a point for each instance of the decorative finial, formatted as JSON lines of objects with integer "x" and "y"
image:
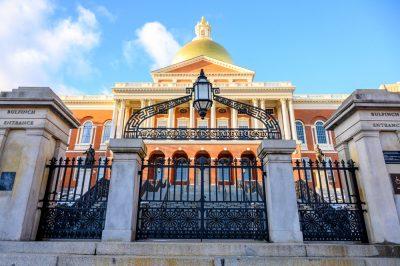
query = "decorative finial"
{"x": 202, "y": 30}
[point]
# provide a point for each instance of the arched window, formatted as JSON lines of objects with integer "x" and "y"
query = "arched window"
{"x": 300, "y": 132}
{"x": 321, "y": 133}
{"x": 106, "y": 132}
{"x": 86, "y": 135}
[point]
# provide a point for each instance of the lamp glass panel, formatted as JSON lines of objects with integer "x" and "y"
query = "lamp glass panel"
{"x": 203, "y": 90}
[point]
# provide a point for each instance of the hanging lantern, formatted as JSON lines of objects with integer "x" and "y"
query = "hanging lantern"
{"x": 203, "y": 98}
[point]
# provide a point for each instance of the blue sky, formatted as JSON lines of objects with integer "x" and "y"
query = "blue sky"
{"x": 86, "y": 46}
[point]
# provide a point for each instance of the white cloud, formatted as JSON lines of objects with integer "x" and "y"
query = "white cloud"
{"x": 103, "y": 11}
{"x": 36, "y": 51}
{"x": 157, "y": 42}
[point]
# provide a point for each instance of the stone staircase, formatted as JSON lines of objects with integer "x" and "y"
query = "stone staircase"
{"x": 218, "y": 253}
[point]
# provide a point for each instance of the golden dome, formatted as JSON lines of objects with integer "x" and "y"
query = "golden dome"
{"x": 202, "y": 45}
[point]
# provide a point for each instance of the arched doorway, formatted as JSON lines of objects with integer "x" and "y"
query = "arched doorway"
{"x": 247, "y": 160}
{"x": 224, "y": 168}
{"x": 202, "y": 171}
{"x": 180, "y": 173}
{"x": 157, "y": 158}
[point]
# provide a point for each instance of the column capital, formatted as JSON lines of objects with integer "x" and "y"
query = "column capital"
{"x": 276, "y": 146}
{"x": 366, "y": 134}
{"x": 128, "y": 146}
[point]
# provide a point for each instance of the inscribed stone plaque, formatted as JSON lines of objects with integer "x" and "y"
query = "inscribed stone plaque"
{"x": 396, "y": 182}
{"x": 391, "y": 157}
{"x": 7, "y": 181}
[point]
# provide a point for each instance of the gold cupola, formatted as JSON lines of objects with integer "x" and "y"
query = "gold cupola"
{"x": 202, "y": 44}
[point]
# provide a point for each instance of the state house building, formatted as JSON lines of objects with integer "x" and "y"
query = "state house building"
{"x": 301, "y": 117}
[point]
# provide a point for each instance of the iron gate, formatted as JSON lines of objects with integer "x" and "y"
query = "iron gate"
{"x": 75, "y": 201}
{"x": 329, "y": 203}
{"x": 202, "y": 199}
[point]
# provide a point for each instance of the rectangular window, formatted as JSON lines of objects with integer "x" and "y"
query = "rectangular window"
{"x": 222, "y": 123}
{"x": 202, "y": 123}
{"x": 243, "y": 123}
{"x": 161, "y": 123}
{"x": 182, "y": 123}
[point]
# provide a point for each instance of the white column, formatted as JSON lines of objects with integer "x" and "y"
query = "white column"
{"x": 191, "y": 113}
{"x": 262, "y": 106}
{"x": 255, "y": 120}
{"x": 292, "y": 120}
{"x": 150, "y": 121}
{"x": 283, "y": 216}
{"x": 285, "y": 117}
{"x": 376, "y": 189}
{"x": 213, "y": 123}
{"x": 114, "y": 120}
{"x": 121, "y": 115}
{"x": 123, "y": 195}
{"x": 171, "y": 118}
{"x": 234, "y": 118}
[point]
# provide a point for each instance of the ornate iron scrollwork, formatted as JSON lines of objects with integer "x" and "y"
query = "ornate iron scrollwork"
{"x": 268, "y": 120}
{"x": 138, "y": 117}
{"x": 271, "y": 130}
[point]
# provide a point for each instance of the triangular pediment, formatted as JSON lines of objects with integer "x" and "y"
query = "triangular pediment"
{"x": 209, "y": 65}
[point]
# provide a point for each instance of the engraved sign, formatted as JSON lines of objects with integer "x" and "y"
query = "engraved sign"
{"x": 385, "y": 114}
{"x": 396, "y": 182}
{"x": 7, "y": 181}
{"x": 18, "y": 123}
{"x": 391, "y": 157}
{"x": 21, "y": 112}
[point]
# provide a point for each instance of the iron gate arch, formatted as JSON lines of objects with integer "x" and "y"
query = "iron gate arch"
{"x": 269, "y": 130}
{"x": 202, "y": 199}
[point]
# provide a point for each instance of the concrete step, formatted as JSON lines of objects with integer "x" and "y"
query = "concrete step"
{"x": 195, "y": 253}
{"x": 23, "y": 259}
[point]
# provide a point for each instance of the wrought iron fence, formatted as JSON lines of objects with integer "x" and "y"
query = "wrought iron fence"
{"x": 329, "y": 203}
{"x": 75, "y": 200}
{"x": 202, "y": 199}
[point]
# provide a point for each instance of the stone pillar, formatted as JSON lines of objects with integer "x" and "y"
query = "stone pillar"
{"x": 282, "y": 212}
{"x": 123, "y": 197}
{"x": 285, "y": 117}
{"x": 381, "y": 218}
{"x": 3, "y": 137}
{"x": 292, "y": 120}
{"x": 121, "y": 114}
{"x": 255, "y": 120}
{"x": 213, "y": 123}
{"x": 191, "y": 113}
{"x": 171, "y": 118}
{"x": 234, "y": 118}
{"x": 114, "y": 120}
{"x": 34, "y": 127}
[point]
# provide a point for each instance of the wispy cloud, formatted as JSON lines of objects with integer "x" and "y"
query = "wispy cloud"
{"x": 103, "y": 11}
{"x": 36, "y": 51}
{"x": 158, "y": 43}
